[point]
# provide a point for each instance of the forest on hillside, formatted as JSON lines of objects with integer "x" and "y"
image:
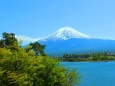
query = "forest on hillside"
{"x": 99, "y": 56}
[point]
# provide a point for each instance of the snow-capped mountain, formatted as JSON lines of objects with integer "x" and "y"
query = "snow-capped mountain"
{"x": 68, "y": 40}
{"x": 65, "y": 33}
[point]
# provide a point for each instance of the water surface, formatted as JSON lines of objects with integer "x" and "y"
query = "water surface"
{"x": 94, "y": 73}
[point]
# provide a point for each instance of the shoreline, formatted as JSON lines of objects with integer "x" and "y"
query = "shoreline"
{"x": 90, "y": 61}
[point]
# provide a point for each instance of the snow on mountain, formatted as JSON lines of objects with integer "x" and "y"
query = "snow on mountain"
{"x": 65, "y": 33}
{"x": 68, "y": 40}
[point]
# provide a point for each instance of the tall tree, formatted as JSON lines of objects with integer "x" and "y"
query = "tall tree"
{"x": 8, "y": 40}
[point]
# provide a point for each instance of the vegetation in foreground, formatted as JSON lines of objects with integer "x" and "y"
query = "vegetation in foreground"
{"x": 30, "y": 66}
{"x": 100, "y": 56}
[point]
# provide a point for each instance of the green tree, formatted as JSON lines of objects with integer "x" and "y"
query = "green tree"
{"x": 9, "y": 41}
{"x": 72, "y": 78}
{"x": 38, "y": 48}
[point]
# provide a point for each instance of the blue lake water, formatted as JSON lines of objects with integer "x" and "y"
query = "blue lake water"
{"x": 94, "y": 73}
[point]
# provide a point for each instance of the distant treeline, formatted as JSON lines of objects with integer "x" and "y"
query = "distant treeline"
{"x": 99, "y": 56}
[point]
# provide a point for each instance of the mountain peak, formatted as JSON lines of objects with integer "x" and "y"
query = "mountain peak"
{"x": 65, "y": 33}
{"x": 65, "y": 29}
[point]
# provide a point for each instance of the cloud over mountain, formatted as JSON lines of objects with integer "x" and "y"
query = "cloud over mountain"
{"x": 27, "y": 39}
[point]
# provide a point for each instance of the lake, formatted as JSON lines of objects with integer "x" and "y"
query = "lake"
{"x": 94, "y": 73}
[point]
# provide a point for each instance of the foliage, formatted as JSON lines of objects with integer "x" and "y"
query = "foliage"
{"x": 99, "y": 56}
{"x": 25, "y": 69}
{"x": 38, "y": 48}
{"x": 22, "y": 67}
{"x": 8, "y": 40}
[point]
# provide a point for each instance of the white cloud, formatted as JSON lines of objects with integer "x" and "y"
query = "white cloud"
{"x": 27, "y": 39}
{"x": 104, "y": 38}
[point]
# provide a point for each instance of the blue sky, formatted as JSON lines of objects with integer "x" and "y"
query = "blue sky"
{"x": 39, "y": 18}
